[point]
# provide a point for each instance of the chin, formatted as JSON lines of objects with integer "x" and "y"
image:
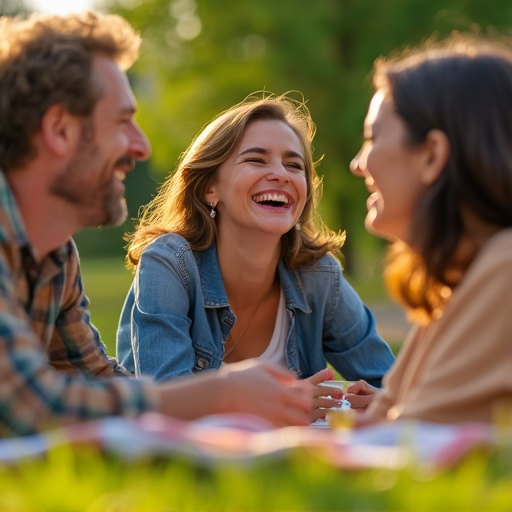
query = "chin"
{"x": 372, "y": 226}
{"x": 374, "y": 229}
{"x": 369, "y": 221}
{"x": 118, "y": 217}
{"x": 116, "y": 213}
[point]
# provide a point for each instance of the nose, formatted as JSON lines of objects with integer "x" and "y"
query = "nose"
{"x": 278, "y": 172}
{"x": 139, "y": 148}
{"x": 358, "y": 163}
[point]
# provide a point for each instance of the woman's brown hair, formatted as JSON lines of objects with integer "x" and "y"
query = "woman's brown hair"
{"x": 179, "y": 207}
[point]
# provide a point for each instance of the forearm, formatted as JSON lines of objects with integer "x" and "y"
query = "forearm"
{"x": 246, "y": 387}
{"x": 32, "y": 402}
{"x": 192, "y": 397}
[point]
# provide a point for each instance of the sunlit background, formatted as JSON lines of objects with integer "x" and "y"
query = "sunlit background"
{"x": 199, "y": 57}
{"x": 60, "y": 6}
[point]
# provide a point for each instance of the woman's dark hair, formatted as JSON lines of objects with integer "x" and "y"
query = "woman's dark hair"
{"x": 462, "y": 86}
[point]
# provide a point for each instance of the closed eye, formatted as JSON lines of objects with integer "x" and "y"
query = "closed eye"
{"x": 295, "y": 166}
{"x": 255, "y": 159}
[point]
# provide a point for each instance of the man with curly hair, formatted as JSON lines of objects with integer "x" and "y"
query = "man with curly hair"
{"x": 68, "y": 138}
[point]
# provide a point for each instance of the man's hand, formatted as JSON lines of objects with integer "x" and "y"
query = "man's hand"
{"x": 249, "y": 386}
{"x": 269, "y": 391}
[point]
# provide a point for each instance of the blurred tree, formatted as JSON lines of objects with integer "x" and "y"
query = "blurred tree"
{"x": 199, "y": 57}
{"x": 13, "y": 7}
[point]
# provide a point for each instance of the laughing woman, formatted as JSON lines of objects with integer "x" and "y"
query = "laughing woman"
{"x": 231, "y": 261}
{"x": 437, "y": 162}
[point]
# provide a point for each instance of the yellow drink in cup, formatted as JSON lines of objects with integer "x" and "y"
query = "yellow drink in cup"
{"x": 341, "y": 417}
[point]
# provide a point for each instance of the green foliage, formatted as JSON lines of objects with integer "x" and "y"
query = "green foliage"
{"x": 13, "y": 7}
{"x": 200, "y": 57}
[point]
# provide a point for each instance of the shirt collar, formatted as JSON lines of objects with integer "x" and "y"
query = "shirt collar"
{"x": 12, "y": 228}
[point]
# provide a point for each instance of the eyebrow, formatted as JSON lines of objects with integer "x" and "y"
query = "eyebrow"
{"x": 263, "y": 151}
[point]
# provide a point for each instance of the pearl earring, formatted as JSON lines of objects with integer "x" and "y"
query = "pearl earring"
{"x": 298, "y": 227}
{"x": 212, "y": 212}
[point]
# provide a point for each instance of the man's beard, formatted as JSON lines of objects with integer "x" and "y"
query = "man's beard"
{"x": 97, "y": 205}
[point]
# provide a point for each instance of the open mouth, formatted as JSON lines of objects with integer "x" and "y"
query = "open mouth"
{"x": 273, "y": 200}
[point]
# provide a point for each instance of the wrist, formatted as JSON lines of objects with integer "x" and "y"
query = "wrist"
{"x": 223, "y": 392}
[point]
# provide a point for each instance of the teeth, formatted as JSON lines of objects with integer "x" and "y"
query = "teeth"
{"x": 120, "y": 175}
{"x": 280, "y": 198}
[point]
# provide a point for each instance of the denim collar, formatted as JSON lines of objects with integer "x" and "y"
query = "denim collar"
{"x": 214, "y": 293}
{"x": 292, "y": 288}
{"x": 212, "y": 286}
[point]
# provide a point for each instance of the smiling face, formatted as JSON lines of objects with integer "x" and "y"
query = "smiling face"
{"x": 262, "y": 185}
{"x": 92, "y": 180}
{"x": 394, "y": 171}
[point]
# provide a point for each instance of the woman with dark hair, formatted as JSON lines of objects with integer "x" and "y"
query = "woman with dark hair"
{"x": 437, "y": 160}
{"x": 232, "y": 261}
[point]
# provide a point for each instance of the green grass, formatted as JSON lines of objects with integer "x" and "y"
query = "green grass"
{"x": 106, "y": 283}
{"x": 83, "y": 480}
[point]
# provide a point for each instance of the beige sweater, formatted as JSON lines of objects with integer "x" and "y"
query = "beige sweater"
{"x": 458, "y": 367}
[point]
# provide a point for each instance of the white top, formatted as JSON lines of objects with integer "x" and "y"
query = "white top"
{"x": 275, "y": 352}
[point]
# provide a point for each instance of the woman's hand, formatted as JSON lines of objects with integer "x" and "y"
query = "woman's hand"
{"x": 360, "y": 394}
{"x": 321, "y": 394}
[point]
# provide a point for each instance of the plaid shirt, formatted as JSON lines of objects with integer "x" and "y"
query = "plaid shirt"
{"x": 50, "y": 354}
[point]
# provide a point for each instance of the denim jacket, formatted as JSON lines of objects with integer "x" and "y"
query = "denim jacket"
{"x": 177, "y": 315}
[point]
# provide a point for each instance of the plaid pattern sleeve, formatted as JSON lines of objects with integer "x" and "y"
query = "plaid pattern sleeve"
{"x": 34, "y": 394}
{"x": 75, "y": 343}
{"x": 54, "y": 369}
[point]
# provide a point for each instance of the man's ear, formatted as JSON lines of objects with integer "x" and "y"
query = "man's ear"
{"x": 60, "y": 130}
{"x": 437, "y": 153}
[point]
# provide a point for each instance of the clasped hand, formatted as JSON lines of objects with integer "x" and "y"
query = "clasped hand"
{"x": 359, "y": 394}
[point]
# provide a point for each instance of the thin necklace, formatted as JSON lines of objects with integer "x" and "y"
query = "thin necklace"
{"x": 229, "y": 352}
